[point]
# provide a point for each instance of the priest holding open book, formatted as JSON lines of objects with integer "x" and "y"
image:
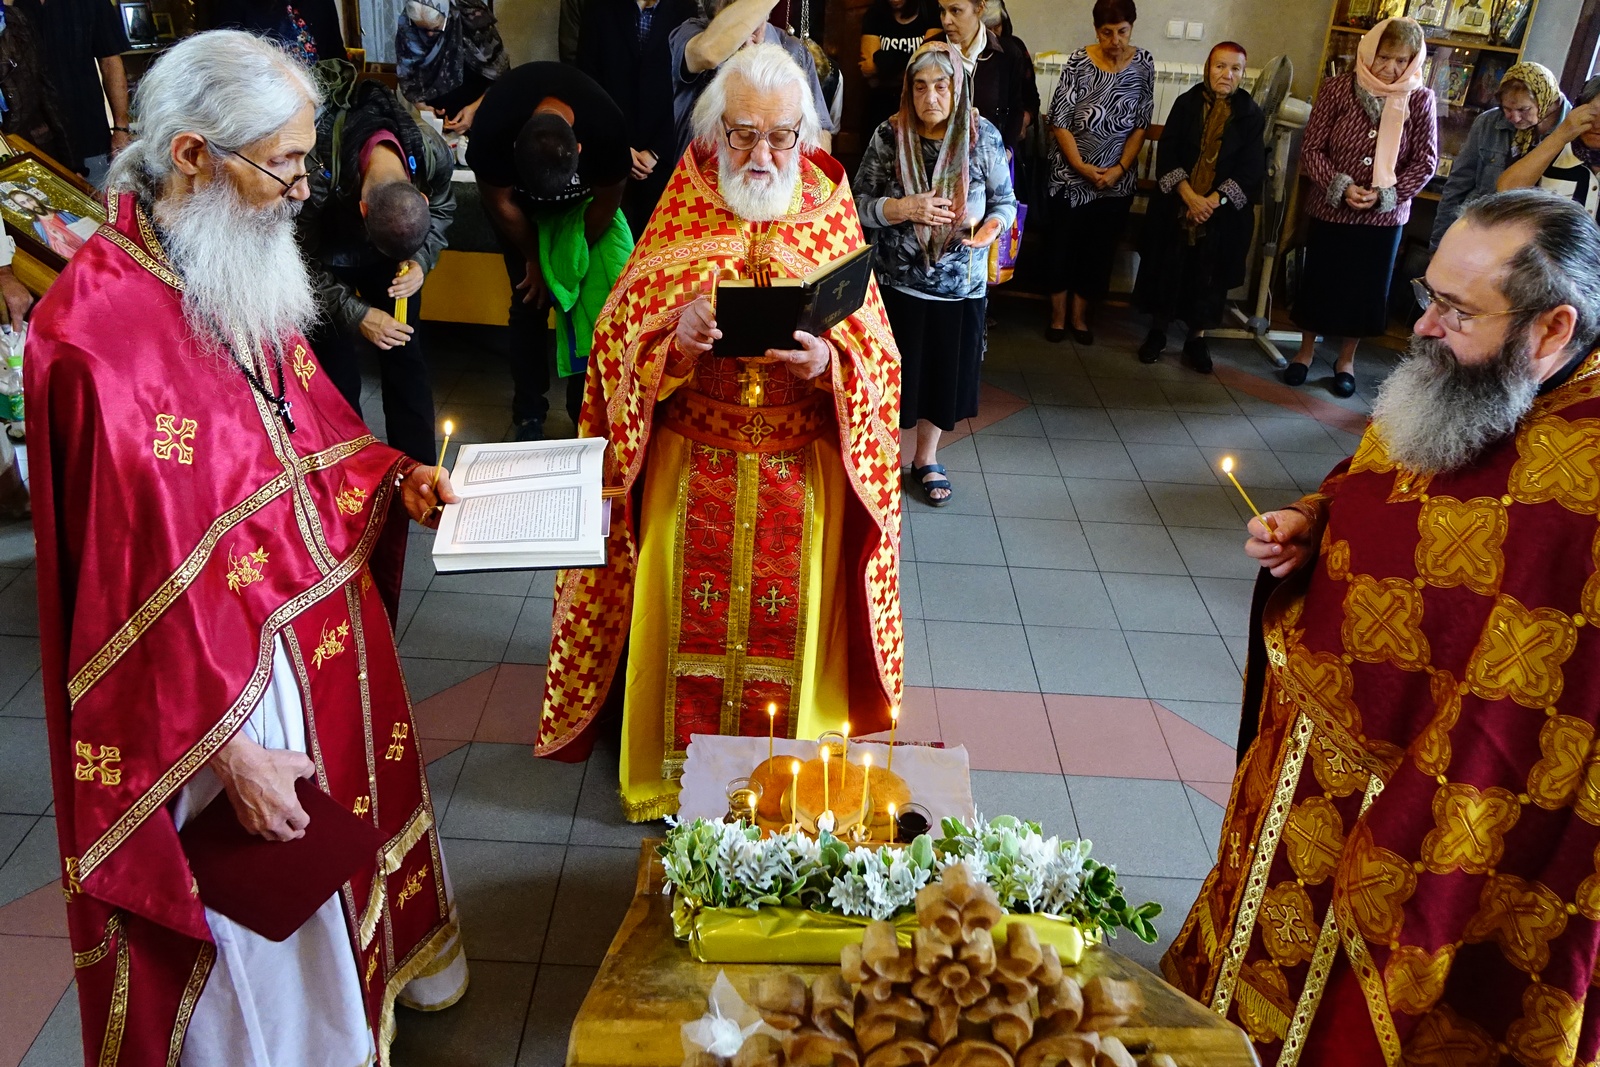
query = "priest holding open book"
{"x": 755, "y": 524}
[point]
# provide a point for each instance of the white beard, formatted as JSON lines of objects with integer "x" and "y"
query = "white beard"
{"x": 758, "y": 199}
{"x": 1436, "y": 415}
{"x": 244, "y": 279}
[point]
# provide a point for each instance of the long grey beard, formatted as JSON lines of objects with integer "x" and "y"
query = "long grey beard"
{"x": 1436, "y": 414}
{"x": 244, "y": 279}
{"x": 758, "y": 201}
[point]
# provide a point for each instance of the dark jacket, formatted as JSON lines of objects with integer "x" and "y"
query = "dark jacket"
{"x": 1003, "y": 89}
{"x": 31, "y": 100}
{"x": 1241, "y": 168}
{"x": 330, "y": 228}
{"x": 269, "y": 18}
{"x": 638, "y": 77}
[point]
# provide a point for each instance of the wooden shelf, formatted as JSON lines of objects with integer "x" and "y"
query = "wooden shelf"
{"x": 1477, "y": 44}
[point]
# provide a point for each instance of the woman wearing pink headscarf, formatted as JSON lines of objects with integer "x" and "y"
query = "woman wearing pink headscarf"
{"x": 1370, "y": 147}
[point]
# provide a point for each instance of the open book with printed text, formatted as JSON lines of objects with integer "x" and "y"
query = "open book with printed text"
{"x": 525, "y": 505}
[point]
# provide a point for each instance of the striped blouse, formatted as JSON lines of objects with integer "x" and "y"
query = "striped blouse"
{"x": 1336, "y": 152}
{"x": 1101, "y": 110}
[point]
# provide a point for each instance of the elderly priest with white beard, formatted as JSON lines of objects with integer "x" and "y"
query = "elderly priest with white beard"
{"x": 217, "y": 579}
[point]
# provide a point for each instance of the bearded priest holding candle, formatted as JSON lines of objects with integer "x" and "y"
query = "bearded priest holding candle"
{"x": 217, "y": 578}
{"x": 756, "y": 502}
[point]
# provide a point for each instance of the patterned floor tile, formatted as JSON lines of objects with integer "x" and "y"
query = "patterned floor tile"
{"x": 1001, "y": 731}
{"x": 1109, "y": 737}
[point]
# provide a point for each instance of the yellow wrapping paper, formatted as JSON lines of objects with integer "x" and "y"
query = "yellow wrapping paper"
{"x": 794, "y": 935}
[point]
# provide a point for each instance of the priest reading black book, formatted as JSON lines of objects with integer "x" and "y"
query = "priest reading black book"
{"x": 754, "y": 318}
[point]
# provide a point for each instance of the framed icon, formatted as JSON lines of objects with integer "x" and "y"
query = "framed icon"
{"x": 1470, "y": 20}
{"x": 164, "y": 30}
{"x": 1429, "y": 12}
{"x": 1457, "y": 81}
{"x": 49, "y": 215}
{"x": 138, "y": 24}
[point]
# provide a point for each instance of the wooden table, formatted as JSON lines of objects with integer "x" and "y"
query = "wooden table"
{"x": 649, "y": 986}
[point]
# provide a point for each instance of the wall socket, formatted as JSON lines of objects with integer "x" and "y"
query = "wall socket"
{"x": 1197, "y": 31}
{"x": 1175, "y": 30}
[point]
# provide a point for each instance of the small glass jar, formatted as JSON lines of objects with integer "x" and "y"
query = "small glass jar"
{"x": 836, "y": 743}
{"x": 911, "y": 821}
{"x": 744, "y": 797}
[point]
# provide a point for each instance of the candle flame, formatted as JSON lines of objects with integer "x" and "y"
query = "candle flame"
{"x": 794, "y": 768}
{"x": 449, "y": 427}
{"x": 847, "y": 729}
{"x": 866, "y": 759}
{"x": 772, "y": 711}
{"x": 892, "y": 810}
{"x": 894, "y": 713}
{"x": 1227, "y": 464}
{"x": 825, "y": 753}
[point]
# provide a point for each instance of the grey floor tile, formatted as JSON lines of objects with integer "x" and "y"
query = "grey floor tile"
{"x": 1063, "y": 598}
{"x": 1143, "y": 826}
{"x": 919, "y": 668}
{"x": 443, "y": 773}
{"x": 1132, "y": 548}
{"x": 908, "y": 541}
{"x": 1299, "y": 434}
{"x": 960, "y": 455}
{"x": 1214, "y": 553}
{"x": 505, "y": 891}
{"x": 16, "y": 544}
{"x": 1040, "y": 798}
{"x": 599, "y": 819}
{"x": 484, "y": 583}
{"x": 429, "y": 677}
{"x": 557, "y": 996}
{"x": 1222, "y": 431}
{"x": 13, "y": 828}
{"x": 1171, "y": 463}
{"x": 1094, "y": 459}
{"x": 461, "y": 626}
{"x": 24, "y": 767}
{"x": 60, "y": 1043}
{"x": 1111, "y": 500}
{"x": 483, "y": 1029}
{"x": 1239, "y": 649}
{"x": 19, "y": 605}
{"x": 1147, "y": 427}
{"x": 410, "y": 599}
{"x": 1308, "y": 469}
{"x": 1254, "y": 467}
{"x": 8, "y": 575}
{"x": 1176, "y": 896}
{"x": 1024, "y": 423}
{"x": 967, "y": 494}
{"x": 1228, "y": 600}
{"x": 910, "y": 590}
{"x": 1061, "y": 390}
{"x": 596, "y": 888}
{"x": 506, "y": 794}
{"x": 19, "y": 661}
{"x": 1016, "y": 455}
{"x": 35, "y": 862}
{"x": 28, "y": 703}
{"x": 957, "y": 539}
{"x": 1185, "y": 666}
{"x": 1165, "y": 603}
{"x": 1347, "y": 441}
{"x": 1201, "y": 396}
{"x": 419, "y": 560}
{"x": 1198, "y": 505}
{"x": 1083, "y": 662}
{"x": 544, "y": 584}
{"x": 1077, "y": 424}
{"x": 1208, "y": 813}
{"x": 971, "y": 655}
{"x": 1220, "y": 720}
{"x": 530, "y": 641}
{"x": 1131, "y": 393}
{"x": 1045, "y": 543}
{"x": 961, "y": 592}
{"x": 1028, "y": 496}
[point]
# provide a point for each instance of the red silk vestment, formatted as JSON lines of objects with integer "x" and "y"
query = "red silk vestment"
{"x": 180, "y": 531}
{"x": 691, "y": 240}
{"x": 1409, "y": 869}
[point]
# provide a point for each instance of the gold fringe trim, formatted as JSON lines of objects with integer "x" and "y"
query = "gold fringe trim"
{"x": 419, "y": 962}
{"x": 450, "y": 1002}
{"x": 376, "y": 896}
{"x": 1255, "y": 1002}
{"x": 440, "y": 965}
{"x": 649, "y": 810}
{"x": 394, "y": 853}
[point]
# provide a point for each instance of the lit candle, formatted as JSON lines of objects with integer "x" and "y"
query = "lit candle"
{"x": 892, "y": 834}
{"x": 794, "y": 791}
{"x": 1227, "y": 468}
{"x": 438, "y": 468}
{"x": 866, "y": 777}
{"x": 894, "y": 724}
{"x": 845, "y": 761}
{"x": 772, "y": 724}
{"x": 825, "y": 753}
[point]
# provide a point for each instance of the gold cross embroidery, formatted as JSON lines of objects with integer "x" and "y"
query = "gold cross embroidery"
{"x": 773, "y": 602}
{"x": 70, "y": 886}
{"x": 757, "y": 429}
{"x": 351, "y": 500}
{"x": 330, "y": 644}
{"x": 1233, "y": 849}
{"x": 413, "y": 886}
{"x": 780, "y": 462}
{"x": 362, "y": 806}
{"x": 304, "y": 367}
{"x": 246, "y": 569}
{"x": 706, "y": 595}
{"x": 175, "y": 436}
{"x": 397, "y": 741}
{"x": 715, "y": 456}
{"x": 372, "y": 967}
{"x": 101, "y": 764}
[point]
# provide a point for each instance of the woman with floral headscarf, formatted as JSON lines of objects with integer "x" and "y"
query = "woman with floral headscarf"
{"x": 1531, "y": 105}
{"x": 1369, "y": 148}
{"x": 935, "y": 190}
{"x": 1568, "y": 161}
{"x": 447, "y": 52}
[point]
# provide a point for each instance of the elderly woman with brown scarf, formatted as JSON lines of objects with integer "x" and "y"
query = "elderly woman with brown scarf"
{"x": 935, "y": 190}
{"x": 1210, "y": 165}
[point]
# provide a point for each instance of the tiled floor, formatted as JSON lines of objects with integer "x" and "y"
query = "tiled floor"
{"x": 1075, "y": 617}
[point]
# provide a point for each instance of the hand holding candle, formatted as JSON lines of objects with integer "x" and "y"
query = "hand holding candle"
{"x": 401, "y": 302}
{"x": 438, "y": 468}
{"x": 1227, "y": 468}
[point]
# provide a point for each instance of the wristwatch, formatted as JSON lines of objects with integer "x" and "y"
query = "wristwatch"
{"x": 1222, "y": 199}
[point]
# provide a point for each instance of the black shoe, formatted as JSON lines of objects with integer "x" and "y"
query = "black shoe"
{"x": 1055, "y": 334}
{"x": 528, "y": 430}
{"x": 1197, "y": 354}
{"x": 1155, "y": 343}
{"x": 1295, "y": 374}
{"x": 1343, "y": 384}
{"x": 1082, "y": 337}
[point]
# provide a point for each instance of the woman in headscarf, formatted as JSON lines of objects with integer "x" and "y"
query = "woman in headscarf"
{"x": 1369, "y": 148}
{"x": 1531, "y": 105}
{"x": 447, "y": 52}
{"x": 1568, "y": 161}
{"x": 1210, "y": 164}
{"x": 935, "y": 190}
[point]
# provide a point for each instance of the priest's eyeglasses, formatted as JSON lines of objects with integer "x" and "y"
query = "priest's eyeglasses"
{"x": 745, "y": 138}
{"x": 1452, "y": 316}
{"x": 311, "y": 164}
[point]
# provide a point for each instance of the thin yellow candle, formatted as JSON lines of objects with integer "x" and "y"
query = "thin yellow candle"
{"x": 401, "y": 302}
{"x": 825, "y": 753}
{"x": 894, "y": 724}
{"x": 845, "y": 762}
{"x": 794, "y": 791}
{"x": 772, "y": 725}
{"x": 1227, "y": 468}
{"x": 893, "y": 827}
{"x": 449, "y": 428}
{"x": 866, "y": 777}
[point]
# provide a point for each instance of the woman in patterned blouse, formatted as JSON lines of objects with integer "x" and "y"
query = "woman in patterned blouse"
{"x": 1369, "y": 148}
{"x": 1098, "y": 117}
